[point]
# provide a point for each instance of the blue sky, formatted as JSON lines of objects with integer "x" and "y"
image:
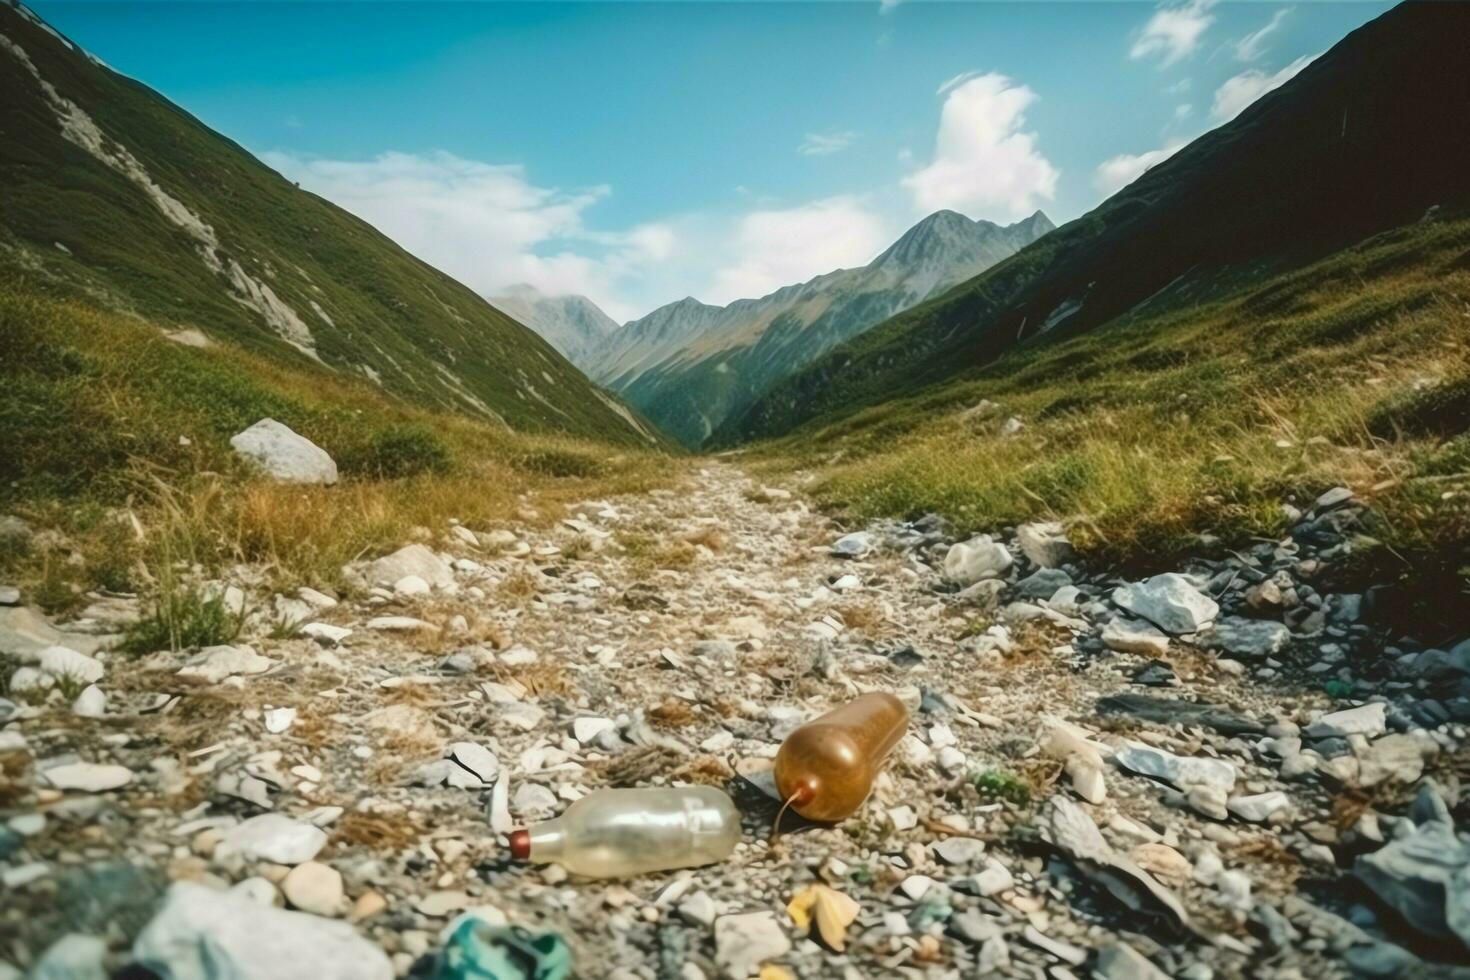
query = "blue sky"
{"x": 641, "y": 152}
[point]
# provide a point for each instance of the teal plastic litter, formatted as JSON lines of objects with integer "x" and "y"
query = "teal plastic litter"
{"x": 477, "y": 950}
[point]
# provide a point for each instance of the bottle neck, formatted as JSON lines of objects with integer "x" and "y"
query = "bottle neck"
{"x": 547, "y": 841}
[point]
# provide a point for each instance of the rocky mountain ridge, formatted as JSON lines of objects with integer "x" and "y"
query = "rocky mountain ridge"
{"x": 689, "y": 366}
{"x": 117, "y": 198}
{"x": 1353, "y": 146}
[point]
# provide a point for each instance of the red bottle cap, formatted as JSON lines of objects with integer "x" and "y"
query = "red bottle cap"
{"x": 520, "y": 844}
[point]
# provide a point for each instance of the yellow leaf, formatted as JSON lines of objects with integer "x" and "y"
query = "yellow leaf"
{"x": 774, "y": 972}
{"x": 832, "y": 910}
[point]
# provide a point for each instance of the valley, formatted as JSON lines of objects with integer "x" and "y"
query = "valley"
{"x": 322, "y": 572}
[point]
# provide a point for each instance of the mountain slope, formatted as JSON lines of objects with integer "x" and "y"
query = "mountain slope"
{"x": 114, "y": 194}
{"x": 1365, "y": 138}
{"x": 690, "y": 366}
{"x": 573, "y": 324}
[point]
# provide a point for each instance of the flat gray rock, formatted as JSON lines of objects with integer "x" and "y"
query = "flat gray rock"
{"x": 1169, "y": 601}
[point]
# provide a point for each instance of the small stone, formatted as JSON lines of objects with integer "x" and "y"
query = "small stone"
{"x": 903, "y": 817}
{"x": 996, "y": 878}
{"x": 1260, "y": 807}
{"x": 1392, "y": 758}
{"x": 1045, "y": 544}
{"x": 1063, "y": 951}
{"x": 315, "y": 888}
{"x": 410, "y": 586}
{"x": 855, "y": 545}
{"x": 368, "y": 904}
{"x": 1368, "y": 719}
{"x": 1182, "y": 771}
{"x": 87, "y": 777}
{"x": 213, "y": 664}
{"x": 442, "y": 903}
{"x": 400, "y": 624}
{"x": 979, "y": 558}
{"x": 1251, "y": 638}
{"x": 586, "y": 729}
{"x": 274, "y": 837}
{"x": 277, "y": 720}
{"x": 325, "y": 633}
{"x": 90, "y": 703}
{"x": 698, "y": 908}
{"x": 743, "y": 942}
{"x": 480, "y": 761}
{"x": 1169, "y": 601}
{"x": 1135, "y": 636}
{"x": 1119, "y": 961}
{"x": 959, "y": 850}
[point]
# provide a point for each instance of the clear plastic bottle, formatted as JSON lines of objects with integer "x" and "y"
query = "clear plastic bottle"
{"x": 616, "y": 833}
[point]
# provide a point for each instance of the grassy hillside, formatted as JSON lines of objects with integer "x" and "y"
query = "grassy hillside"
{"x": 1161, "y": 427}
{"x": 1366, "y": 138}
{"x": 117, "y": 443}
{"x": 115, "y": 195}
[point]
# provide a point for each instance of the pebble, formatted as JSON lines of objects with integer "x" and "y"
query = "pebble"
{"x": 316, "y": 888}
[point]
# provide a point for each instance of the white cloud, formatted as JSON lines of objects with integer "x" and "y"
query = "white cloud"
{"x": 884, "y": 6}
{"x": 773, "y": 248}
{"x": 983, "y": 163}
{"x": 1248, "y": 86}
{"x": 1252, "y": 46}
{"x": 487, "y": 225}
{"x": 1173, "y": 32}
{"x": 1118, "y": 172}
{"x": 820, "y": 144}
{"x": 1183, "y": 111}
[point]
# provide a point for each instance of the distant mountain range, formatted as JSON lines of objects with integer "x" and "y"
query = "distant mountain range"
{"x": 114, "y": 195}
{"x": 572, "y": 324}
{"x": 690, "y": 366}
{"x": 1368, "y": 137}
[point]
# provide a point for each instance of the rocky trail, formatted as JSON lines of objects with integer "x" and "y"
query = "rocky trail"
{"x": 1217, "y": 773}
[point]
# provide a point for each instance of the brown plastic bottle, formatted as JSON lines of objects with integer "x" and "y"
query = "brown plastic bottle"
{"x": 825, "y": 769}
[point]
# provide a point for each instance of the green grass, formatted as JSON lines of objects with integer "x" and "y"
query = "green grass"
{"x": 1153, "y": 430}
{"x": 997, "y": 784}
{"x": 370, "y": 306}
{"x": 93, "y": 405}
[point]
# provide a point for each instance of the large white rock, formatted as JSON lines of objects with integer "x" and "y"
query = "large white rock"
{"x": 201, "y": 933}
{"x": 1181, "y": 770}
{"x": 284, "y": 454}
{"x": 979, "y": 558}
{"x": 62, "y": 662}
{"x": 411, "y": 560}
{"x": 274, "y": 837}
{"x": 1169, "y": 601}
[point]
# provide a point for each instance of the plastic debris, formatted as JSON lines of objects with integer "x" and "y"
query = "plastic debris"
{"x": 830, "y": 910}
{"x": 614, "y": 833}
{"x": 825, "y": 769}
{"x": 480, "y": 950}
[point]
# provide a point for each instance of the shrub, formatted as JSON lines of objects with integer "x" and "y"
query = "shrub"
{"x": 397, "y": 452}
